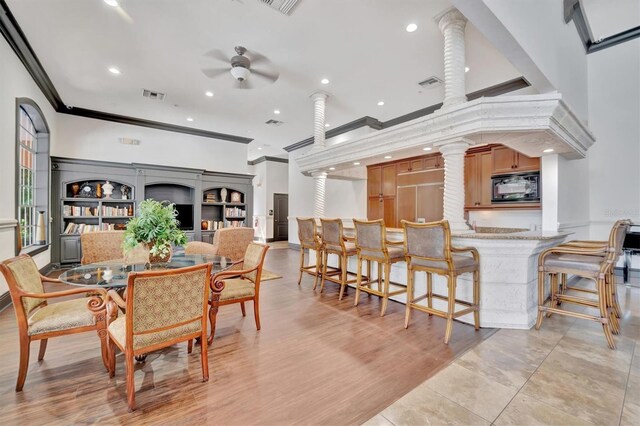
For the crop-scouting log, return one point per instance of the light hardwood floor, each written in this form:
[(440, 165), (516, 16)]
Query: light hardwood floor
[(315, 361)]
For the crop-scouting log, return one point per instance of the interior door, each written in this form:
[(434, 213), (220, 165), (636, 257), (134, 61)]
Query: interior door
[(280, 217), (430, 202)]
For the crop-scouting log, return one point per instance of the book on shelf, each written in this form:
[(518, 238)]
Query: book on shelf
[(82, 228), (115, 211), (80, 211), (236, 224), (235, 212)]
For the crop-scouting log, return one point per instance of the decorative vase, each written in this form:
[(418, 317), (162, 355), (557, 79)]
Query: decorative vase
[(124, 189), (75, 188), (98, 191), (41, 231), (204, 225), (236, 197), (108, 189), (156, 258), (223, 195)]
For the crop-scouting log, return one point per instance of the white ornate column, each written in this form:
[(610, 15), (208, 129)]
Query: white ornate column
[(453, 154), (452, 25), (319, 106), (320, 180)]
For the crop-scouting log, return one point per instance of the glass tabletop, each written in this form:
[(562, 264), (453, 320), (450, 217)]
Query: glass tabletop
[(114, 274)]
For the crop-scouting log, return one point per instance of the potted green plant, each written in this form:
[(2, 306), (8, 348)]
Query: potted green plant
[(156, 228)]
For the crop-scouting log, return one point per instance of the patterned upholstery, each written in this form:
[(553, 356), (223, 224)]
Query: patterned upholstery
[(589, 265), (101, 246), (199, 247), (460, 262), (332, 232), (228, 242), (307, 232), (394, 253), (27, 277), (60, 316), (426, 241), (252, 258), (117, 330), (237, 288), (369, 235)]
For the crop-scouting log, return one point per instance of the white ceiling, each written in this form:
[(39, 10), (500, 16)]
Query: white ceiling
[(360, 45), (608, 17)]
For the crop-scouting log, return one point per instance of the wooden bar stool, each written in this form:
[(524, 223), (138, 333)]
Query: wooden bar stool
[(591, 260), (309, 240), (334, 242), (428, 249), (371, 245)]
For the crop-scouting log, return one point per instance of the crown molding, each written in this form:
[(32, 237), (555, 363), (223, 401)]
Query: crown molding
[(267, 158)]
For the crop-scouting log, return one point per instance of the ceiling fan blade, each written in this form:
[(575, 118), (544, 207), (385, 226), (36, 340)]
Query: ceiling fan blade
[(257, 58), (269, 76), (219, 55), (215, 72)]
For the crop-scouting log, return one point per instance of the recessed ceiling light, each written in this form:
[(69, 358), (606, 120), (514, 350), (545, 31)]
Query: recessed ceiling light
[(357, 163), (412, 27), (427, 148), (327, 125), (189, 119), (209, 94), (112, 3), (380, 103), (386, 157), (259, 148), (276, 111), (324, 81), (114, 70), (332, 168), (466, 69), (548, 150)]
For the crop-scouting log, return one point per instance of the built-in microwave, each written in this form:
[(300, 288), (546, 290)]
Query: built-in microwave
[(516, 188)]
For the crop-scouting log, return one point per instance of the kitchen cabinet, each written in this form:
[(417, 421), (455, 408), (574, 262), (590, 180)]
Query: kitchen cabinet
[(407, 203), (477, 172), (382, 208), (506, 160), (414, 165), (433, 162), (381, 181), (430, 205)]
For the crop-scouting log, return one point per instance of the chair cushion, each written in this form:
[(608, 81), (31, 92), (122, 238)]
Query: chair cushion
[(117, 331), (577, 262), (460, 262), (394, 253), (237, 288), (350, 247), (60, 316)]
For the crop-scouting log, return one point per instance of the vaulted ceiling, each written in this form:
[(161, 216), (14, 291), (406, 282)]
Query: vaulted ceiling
[(361, 46)]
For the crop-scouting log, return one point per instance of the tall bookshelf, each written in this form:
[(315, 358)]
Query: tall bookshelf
[(217, 214)]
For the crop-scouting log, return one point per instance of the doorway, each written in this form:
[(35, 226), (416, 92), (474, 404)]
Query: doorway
[(280, 217)]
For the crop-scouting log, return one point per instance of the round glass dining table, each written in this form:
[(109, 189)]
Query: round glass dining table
[(115, 274)]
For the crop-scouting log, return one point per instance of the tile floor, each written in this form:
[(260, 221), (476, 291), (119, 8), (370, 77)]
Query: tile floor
[(562, 374)]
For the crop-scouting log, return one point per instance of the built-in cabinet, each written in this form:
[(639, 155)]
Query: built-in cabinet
[(507, 160), (477, 178)]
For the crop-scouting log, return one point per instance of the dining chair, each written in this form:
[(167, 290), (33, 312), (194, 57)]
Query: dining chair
[(106, 246), (239, 285), (163, 307), (594, 261), (372, 246), (428, 249), (40, 320), (227, 242), (309, 240)]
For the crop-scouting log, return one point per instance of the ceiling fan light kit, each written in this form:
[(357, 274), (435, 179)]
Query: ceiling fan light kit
[(241, 67), (240, 73)]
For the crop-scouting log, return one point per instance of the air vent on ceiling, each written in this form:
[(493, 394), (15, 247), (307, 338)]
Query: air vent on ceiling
[(129, 141), (156, 96), (274, 123), (431, 82), (282, 6)]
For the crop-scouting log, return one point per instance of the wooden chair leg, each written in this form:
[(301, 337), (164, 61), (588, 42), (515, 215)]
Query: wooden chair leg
[(256, 311), (476, 299), (430, 291), (387, 280), (204, 356), (325, 257), (131, 387), (369, 273), (25, 343), (358, 280), (410, 297), (318, 268), (189, 346), (104, 348), (380, 276), (554, 293), (112, 357), (604, 313), (213, 311), (343, 275), (541, 300), (43, 349), (244, 312), (614, 294), (451, 283), (301, 265)]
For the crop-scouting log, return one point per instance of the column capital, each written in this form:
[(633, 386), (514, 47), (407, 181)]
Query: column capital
[(449, 17), (456, 146), (319, 175), (319, 94)]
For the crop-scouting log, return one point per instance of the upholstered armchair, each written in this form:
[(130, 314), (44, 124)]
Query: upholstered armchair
[(240, 285), (162, 308), (228, 242), (106, 246), (40, 320)]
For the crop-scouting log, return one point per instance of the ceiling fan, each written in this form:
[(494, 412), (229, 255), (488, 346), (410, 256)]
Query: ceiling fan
[(240, 67)]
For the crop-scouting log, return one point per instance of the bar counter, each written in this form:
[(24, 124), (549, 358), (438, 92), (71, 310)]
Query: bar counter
[(508, 273)]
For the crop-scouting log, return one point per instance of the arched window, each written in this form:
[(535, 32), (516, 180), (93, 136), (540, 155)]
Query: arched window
[(32, 175)]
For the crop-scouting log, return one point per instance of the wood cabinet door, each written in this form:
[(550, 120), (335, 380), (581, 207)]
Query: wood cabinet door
[(407, 199), (430, 200), (471, 180), (434, 162), (389, 180), (417, 165), (404, 166), (389, 211), (374, 208), (374, 181), (484, 187), (526, 164), (503, 159)]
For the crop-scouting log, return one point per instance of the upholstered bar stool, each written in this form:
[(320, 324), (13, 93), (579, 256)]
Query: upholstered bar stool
[(592, 261), (334, 242), (428, 249), (372, 246), (309, 240)]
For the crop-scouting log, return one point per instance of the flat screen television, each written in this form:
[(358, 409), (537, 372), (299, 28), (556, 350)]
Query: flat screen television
[(185, 216)]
